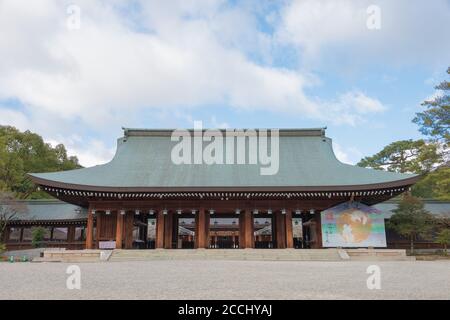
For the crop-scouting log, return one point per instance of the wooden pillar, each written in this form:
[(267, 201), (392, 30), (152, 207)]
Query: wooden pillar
[(90, 230), (206, 224), (201, 229), (71, 236), (246, 239), (280, 226), (242, 242), (98, 229), (128, 230), (119, 230), (249, 233), (6, 234), (318, 229), (159, 241), (241, 230), (168, 228), (289, 235)]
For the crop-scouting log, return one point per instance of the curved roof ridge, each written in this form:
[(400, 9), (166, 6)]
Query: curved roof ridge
[(282, 132)]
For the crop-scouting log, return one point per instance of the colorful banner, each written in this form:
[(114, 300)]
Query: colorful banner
[(353, 225)]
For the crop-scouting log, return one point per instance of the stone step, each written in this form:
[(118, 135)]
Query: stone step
[(227, 254), (378, 255)]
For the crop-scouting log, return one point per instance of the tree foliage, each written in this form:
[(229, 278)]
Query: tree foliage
[(443, 237), (10, 209), (26, 152), (435, 185), (435, 120), (406, 156), (427, 157), (37, 237), (411, 220)]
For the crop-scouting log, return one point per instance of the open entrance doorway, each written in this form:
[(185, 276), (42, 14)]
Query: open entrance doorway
[(263, 232), (297, 233), (223, 232), (151, 233), (303, 232), (186, 233)]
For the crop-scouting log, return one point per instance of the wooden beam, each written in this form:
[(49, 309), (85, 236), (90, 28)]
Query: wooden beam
[(319, 229), (246, 239), (90, 230), (98, 228), (201, 229), (6, 234), (289, 235), (241, 230), (128, 226), (280, 226), (168, 230), (70, 233), (223, 206), (159, 241), (119, 230), (249, 233)]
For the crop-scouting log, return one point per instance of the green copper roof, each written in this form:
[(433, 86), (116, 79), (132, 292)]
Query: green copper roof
[(48, 210), (143, 159), (436, 207)]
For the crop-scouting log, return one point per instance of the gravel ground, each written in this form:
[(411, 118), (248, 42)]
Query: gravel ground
[(226, 280)]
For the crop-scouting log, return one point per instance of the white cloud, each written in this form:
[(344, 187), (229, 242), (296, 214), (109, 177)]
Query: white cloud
[(436, 94), (312, 24), (337, 30), (218, 125), (96, 73), (173, 56), (349, 155), (13, 118), (89, 153)]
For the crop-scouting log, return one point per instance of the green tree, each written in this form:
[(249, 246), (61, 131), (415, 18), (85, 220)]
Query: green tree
[(25, 152), (406, 156), (37, 237), (10, 209), (443, 237), (435, 120), (411, 220), (435, 185)]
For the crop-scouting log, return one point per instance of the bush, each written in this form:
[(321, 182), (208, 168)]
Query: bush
[(38, 235), (2, 248), (443, 238)]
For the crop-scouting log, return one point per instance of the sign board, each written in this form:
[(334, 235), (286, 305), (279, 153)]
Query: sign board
[(107, 245), (353, 225)]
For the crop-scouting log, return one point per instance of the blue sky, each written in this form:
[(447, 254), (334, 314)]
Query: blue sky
[(78, 78)]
